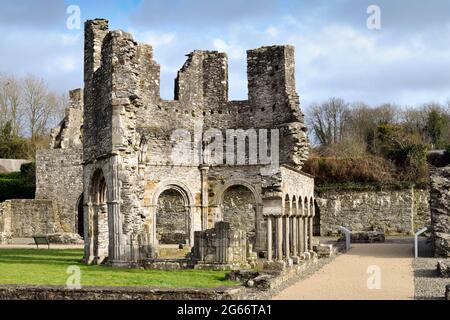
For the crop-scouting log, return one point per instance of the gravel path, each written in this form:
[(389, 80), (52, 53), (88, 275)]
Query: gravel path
[(428, 285), (346, 277)]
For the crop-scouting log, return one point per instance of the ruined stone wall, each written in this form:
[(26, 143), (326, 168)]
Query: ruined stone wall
[(239, 209), (394, 212), (440, 211), (171, 218), (68, 133), (59, 175), (26, 218)]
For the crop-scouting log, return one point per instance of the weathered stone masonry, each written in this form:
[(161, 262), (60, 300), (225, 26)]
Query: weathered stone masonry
[(127, 149), (392, 212), (440, 211)]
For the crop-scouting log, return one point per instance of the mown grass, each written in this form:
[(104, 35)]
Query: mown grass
[(49, 267)]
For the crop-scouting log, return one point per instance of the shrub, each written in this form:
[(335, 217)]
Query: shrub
[(368, 169), (18, 185)]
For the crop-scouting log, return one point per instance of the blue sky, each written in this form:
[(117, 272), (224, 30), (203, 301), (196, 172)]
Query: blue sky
[(406, 62)]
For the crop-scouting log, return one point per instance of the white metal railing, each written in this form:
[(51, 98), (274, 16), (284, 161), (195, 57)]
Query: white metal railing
[(416, 241), (347, 237)]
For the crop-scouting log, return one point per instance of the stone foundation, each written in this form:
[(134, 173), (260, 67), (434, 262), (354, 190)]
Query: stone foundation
[(168, 264), (117, 293)]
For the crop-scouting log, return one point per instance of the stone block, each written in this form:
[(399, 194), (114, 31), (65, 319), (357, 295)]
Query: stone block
[(274, 265), (324, 250), (296, 260), (443, 268), (241, 275), (263, 281)]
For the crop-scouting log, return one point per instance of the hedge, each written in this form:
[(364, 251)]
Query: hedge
[(18, 185)]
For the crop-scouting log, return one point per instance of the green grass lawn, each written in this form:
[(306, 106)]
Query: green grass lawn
[(49, 267)]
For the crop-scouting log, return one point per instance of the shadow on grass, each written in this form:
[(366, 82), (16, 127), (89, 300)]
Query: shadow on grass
[(44, 257)]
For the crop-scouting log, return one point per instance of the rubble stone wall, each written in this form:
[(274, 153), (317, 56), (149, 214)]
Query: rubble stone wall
[(440, 211), (26, 218), (394, 212), (59, 175)]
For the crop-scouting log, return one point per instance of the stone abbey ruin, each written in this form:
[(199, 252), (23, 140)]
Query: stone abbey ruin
[(112, 174), (128, 170)]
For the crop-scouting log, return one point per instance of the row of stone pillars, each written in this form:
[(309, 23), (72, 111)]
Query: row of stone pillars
[(288, 236)]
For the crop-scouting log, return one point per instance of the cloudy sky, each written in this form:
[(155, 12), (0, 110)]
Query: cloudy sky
[(406, 62)]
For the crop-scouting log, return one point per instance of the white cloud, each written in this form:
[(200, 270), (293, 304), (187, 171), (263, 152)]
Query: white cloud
[(233, 50), (272, 31), (155, 39)]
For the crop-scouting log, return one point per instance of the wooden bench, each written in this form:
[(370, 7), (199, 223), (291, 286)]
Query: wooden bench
[(43, 240)]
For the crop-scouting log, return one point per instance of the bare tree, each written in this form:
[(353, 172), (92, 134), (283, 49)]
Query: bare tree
[(328, 121), (38, 105), (10, 104)]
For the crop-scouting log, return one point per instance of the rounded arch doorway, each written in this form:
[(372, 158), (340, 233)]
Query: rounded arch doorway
[(173, 217), (238, 207)]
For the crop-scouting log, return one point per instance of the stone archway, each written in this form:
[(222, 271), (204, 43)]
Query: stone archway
[(316, 220), (172, 218), (100, 223), (238, 207), (172, 198), (80, 216)]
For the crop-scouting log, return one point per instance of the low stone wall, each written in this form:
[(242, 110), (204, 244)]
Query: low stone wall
[(168, 264), (440, 211), (26, 218), (392, 212), (117, 293), (367, 237), (11, 165)]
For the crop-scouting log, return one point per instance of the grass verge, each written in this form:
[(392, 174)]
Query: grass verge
[(49, 267)]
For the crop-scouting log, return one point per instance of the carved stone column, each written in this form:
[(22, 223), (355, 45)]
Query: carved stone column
[(88, 234), (305, 234), (261, 238), (205, 199), (286, 238), (279, 238), (295, 236), (116, 250), (301, 237), (269, 239)]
